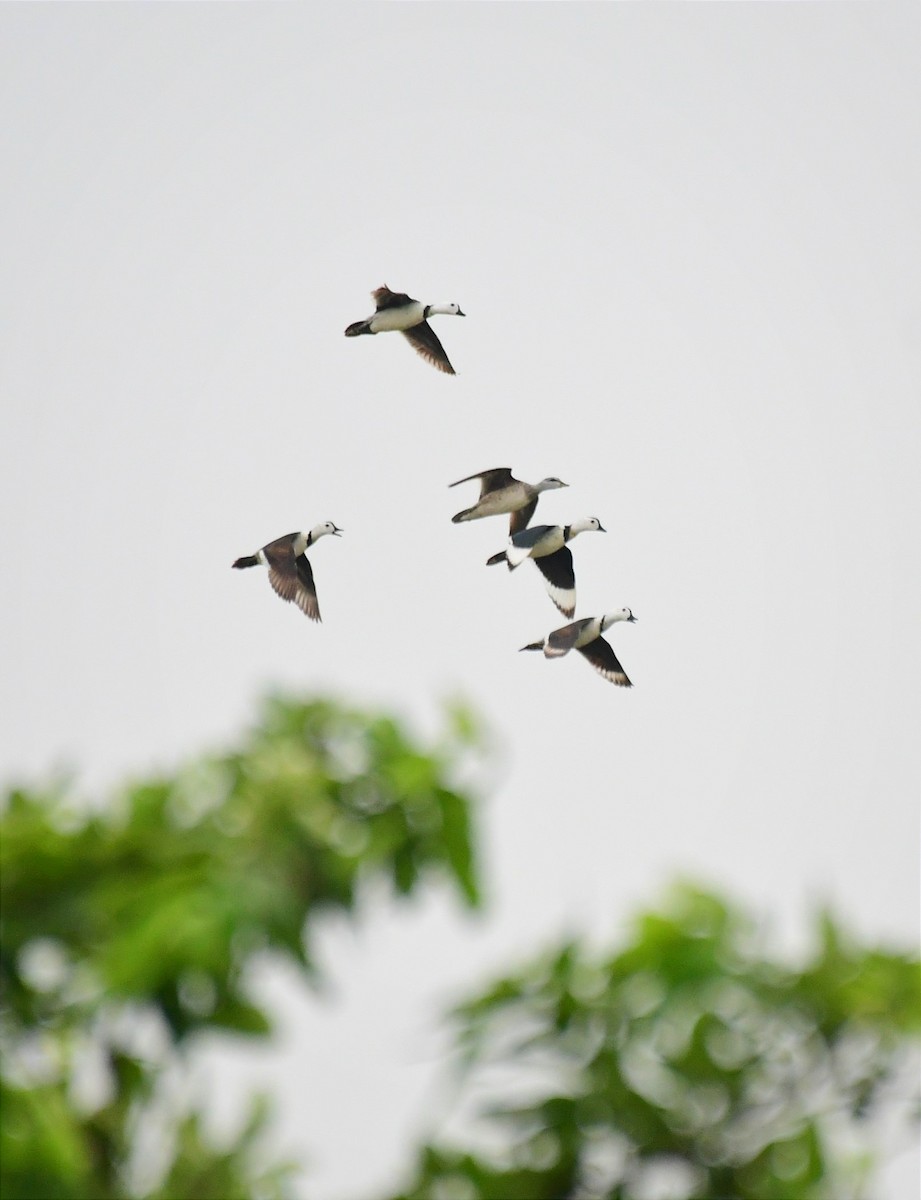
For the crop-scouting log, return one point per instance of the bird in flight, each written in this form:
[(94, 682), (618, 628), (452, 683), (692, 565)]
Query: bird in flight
[(395, 311), (585, 636), (501, 492), (547, 546), (290, 573)]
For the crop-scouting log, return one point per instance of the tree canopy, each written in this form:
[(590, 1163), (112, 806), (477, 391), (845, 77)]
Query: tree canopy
[(145, 914), (687, 1062)]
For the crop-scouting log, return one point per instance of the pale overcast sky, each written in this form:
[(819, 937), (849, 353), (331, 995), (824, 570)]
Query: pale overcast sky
[(686, 241)]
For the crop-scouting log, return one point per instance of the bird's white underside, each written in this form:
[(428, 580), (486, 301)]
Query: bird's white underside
[(390, 319)]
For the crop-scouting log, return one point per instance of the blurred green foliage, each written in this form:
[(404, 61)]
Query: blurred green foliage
[(129, 929), (687, 1065)]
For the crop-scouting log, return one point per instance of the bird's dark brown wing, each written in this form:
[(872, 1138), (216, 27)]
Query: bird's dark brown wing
[(490, 481), (383, 297), (518, 521), (559, 578), (282, 570), (424, 340), (306, 597), (561, 641), (604, 660)]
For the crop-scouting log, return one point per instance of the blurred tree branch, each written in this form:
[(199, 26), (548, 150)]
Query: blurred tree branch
[(686, 1065), (127, 931)]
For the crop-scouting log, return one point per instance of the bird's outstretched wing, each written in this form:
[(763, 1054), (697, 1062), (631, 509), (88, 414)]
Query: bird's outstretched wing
[(279, 556), (306, 596), (559, 578), (490, 481), (383, 297), (291, 577), (561, 641), (518, 521), (424, 341), (604, 660)]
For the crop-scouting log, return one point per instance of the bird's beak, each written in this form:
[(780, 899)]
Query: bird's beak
[(601, 529), (337, 531), (461, 314), (632, 618)]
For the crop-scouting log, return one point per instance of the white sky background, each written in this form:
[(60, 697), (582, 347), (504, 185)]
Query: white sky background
[(686, 241)]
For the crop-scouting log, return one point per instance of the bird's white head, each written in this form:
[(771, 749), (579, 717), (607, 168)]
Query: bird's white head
[(622, 614), (447, 310), (319, 531), (586, 525), (548, 484)]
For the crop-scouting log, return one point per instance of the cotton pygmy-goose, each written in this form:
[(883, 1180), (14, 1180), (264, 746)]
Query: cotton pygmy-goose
[(547, 546), (399, 312), (501, 493), (290, 573), (585, 636)]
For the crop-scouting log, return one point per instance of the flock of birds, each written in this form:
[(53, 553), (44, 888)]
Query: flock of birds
[(291, 575)]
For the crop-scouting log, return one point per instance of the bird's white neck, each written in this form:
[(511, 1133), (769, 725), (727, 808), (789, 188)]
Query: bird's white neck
[(610, 618), (318, 531), (581, 526)]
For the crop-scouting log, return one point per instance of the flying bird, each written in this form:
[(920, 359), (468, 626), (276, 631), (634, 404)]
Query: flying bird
[(290, 574), (399, 312), (585, 636), (547, 546), (501, 492)]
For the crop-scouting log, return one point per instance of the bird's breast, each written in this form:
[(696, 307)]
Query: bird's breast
[(398, 318), (552, 541)]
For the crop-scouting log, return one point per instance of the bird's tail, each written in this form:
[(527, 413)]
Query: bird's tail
[(248, 560), (496, 558), (533, 646), (358, 327), (516, 555)]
